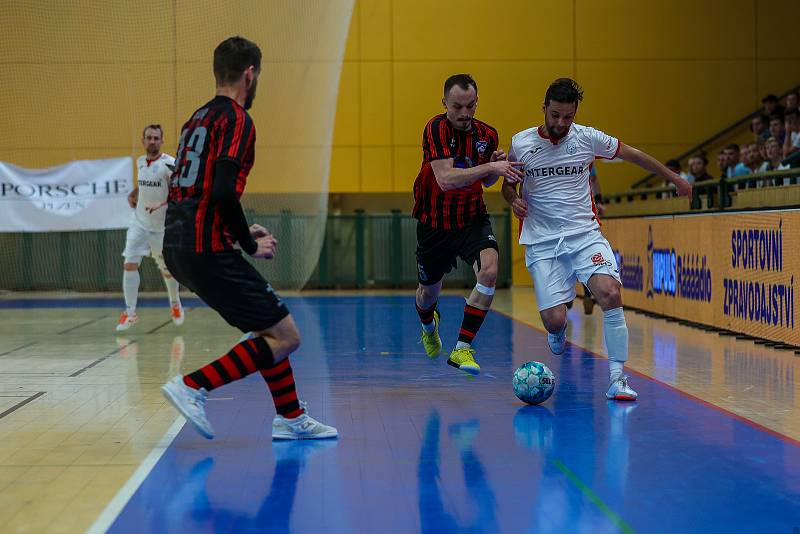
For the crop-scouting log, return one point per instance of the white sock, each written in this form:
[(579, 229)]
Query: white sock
[(130, 288), (172, 289), (615, 331), (463, 345)]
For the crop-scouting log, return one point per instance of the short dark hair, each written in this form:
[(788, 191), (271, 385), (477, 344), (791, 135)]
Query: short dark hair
[(776, 117), (153, 127), (672, 164), (232, 57), (769, 98), (732, 146), (791, 111), (564, 90), (461, 80), (700, 155)]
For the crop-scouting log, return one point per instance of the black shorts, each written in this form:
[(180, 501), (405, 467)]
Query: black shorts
[(230, 285), (437, 250)]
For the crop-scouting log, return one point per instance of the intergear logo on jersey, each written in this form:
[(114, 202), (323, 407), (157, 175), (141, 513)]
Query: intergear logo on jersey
[(480, 146)]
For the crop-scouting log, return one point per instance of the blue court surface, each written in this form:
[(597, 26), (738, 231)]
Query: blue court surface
[(425, 448)]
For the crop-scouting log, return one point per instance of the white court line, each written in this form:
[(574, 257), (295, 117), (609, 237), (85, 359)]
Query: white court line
[(114, 508)]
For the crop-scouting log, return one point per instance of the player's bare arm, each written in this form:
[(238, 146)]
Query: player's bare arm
[(649, 163), (133, 198), (497, 155), (448, 177), (518, 204)]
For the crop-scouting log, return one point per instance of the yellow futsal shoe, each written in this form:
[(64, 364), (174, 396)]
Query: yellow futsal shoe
[(431, 340), (463, 359)]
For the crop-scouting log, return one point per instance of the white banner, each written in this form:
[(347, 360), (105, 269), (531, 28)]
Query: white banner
[(80, 195)]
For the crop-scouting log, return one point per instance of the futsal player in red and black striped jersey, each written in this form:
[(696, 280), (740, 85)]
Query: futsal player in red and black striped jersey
[(204, 220), (460, 156)]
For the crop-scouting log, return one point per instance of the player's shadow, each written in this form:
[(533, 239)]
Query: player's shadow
[(433, 515)]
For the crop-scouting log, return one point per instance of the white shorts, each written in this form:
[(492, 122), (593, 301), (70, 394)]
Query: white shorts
[(140, 242), (556, 266)]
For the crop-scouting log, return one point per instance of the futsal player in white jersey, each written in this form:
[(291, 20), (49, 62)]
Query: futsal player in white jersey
[(146, 232), (560, 229)]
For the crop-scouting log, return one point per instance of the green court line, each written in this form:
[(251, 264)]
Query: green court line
[(614, 518)]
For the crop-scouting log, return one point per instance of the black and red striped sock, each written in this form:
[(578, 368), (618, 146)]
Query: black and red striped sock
[(243, 359), (473, 319), (280, 380), (426, 315)]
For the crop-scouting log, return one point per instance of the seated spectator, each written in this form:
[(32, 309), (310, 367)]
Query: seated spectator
[(774, 157), (776, 128), (731, 159), (759, 125), (792, 100), (743, 157), (754, 157), (771, 105), (791, 143), (698, 171), (722, 163)]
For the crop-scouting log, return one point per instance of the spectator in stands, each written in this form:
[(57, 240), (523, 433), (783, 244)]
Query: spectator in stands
[(754, 157), (741, 168), (776, 128), (698, 169), (791, 143), (771, 105), (722, 163), (731, 159), (774, 157), (759, 125), (792, 100)]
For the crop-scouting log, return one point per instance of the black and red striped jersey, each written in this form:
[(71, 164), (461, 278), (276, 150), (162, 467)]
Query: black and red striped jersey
[(457, 208), (219, 130)]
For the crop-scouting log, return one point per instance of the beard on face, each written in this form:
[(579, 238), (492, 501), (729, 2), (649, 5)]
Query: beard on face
[(551, 131), (251, 95)]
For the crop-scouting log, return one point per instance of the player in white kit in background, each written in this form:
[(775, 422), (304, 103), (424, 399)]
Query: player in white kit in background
[(146, 232), (560, 229)]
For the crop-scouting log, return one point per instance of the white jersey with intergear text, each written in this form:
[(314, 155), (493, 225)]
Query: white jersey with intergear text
[(556, 185)]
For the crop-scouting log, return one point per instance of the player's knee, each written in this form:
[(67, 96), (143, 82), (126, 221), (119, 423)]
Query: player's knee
[(488, 276), (131, 266), (554, 321), (609, 296)]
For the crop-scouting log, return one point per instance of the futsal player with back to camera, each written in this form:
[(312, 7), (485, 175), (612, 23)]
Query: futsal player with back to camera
[(560, 228), (460, 156), (145, 236), (204, 221)]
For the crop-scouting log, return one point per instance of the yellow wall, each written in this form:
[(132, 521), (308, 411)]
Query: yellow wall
[(80, 79), (660, 75)]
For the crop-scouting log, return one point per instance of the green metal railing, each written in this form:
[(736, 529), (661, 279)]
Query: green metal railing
[(357, 250)]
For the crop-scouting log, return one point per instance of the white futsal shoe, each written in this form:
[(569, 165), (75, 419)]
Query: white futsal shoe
[(126, 321), (190, 402), (177, 314), (620, 390), (301, 427), (558, 342)]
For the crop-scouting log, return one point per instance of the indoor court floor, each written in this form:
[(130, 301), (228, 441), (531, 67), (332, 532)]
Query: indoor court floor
[(88, 442)]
